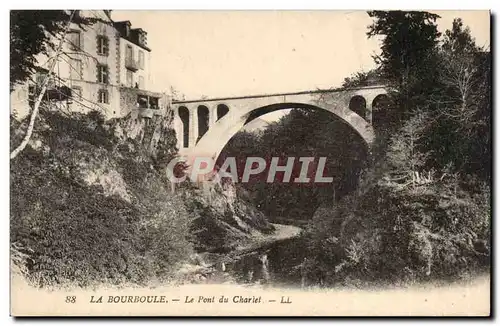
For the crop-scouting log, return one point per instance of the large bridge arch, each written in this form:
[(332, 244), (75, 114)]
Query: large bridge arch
[(239, 111), (212, 145)]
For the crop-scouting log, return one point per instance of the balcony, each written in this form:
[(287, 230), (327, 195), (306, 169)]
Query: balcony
[(131, 64), (144, 103), (146, 113)]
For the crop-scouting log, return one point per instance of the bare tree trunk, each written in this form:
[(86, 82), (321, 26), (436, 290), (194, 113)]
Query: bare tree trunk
[(31, 125)]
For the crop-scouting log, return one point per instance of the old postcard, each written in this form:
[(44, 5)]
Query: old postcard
[(250, 163)]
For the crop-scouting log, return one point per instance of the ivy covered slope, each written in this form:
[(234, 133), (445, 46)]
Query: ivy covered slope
[(90, 204), (423, 209), (404, 224)]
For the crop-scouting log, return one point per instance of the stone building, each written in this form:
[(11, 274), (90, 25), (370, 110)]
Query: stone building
[(106, 67)]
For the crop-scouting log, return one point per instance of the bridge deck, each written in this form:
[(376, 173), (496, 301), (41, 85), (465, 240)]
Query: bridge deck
[(318, 91)]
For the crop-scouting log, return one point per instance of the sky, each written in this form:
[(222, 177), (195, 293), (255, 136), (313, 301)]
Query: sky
[(236, 53)]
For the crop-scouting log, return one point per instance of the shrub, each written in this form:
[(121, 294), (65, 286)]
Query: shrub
[(405, 223)]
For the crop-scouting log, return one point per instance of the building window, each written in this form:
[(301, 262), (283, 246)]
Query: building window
[(130, 79), (141, 82), (102, 45), (74, 38), (102, 74), (103, 96), (141, 59), (129, 54), (40, 78), (75, 69)]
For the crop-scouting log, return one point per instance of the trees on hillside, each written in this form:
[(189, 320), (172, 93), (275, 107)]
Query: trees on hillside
[(460, 135), (447, 78), (423, 210), (408, 55), (363, 78)]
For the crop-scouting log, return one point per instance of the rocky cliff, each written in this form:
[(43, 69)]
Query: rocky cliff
[(90, 203)]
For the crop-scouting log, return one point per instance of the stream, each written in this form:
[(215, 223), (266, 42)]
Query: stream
[(276, 260)]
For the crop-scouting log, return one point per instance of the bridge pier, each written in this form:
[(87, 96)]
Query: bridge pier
[(369, 112), (213, 116), (370, 97), (193, 126)]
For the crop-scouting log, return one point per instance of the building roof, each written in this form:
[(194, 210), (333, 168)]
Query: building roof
[(121, 22), (133, 35), (108, 13)]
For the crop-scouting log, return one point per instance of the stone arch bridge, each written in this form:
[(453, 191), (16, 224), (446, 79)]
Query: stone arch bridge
[(205, 126)]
